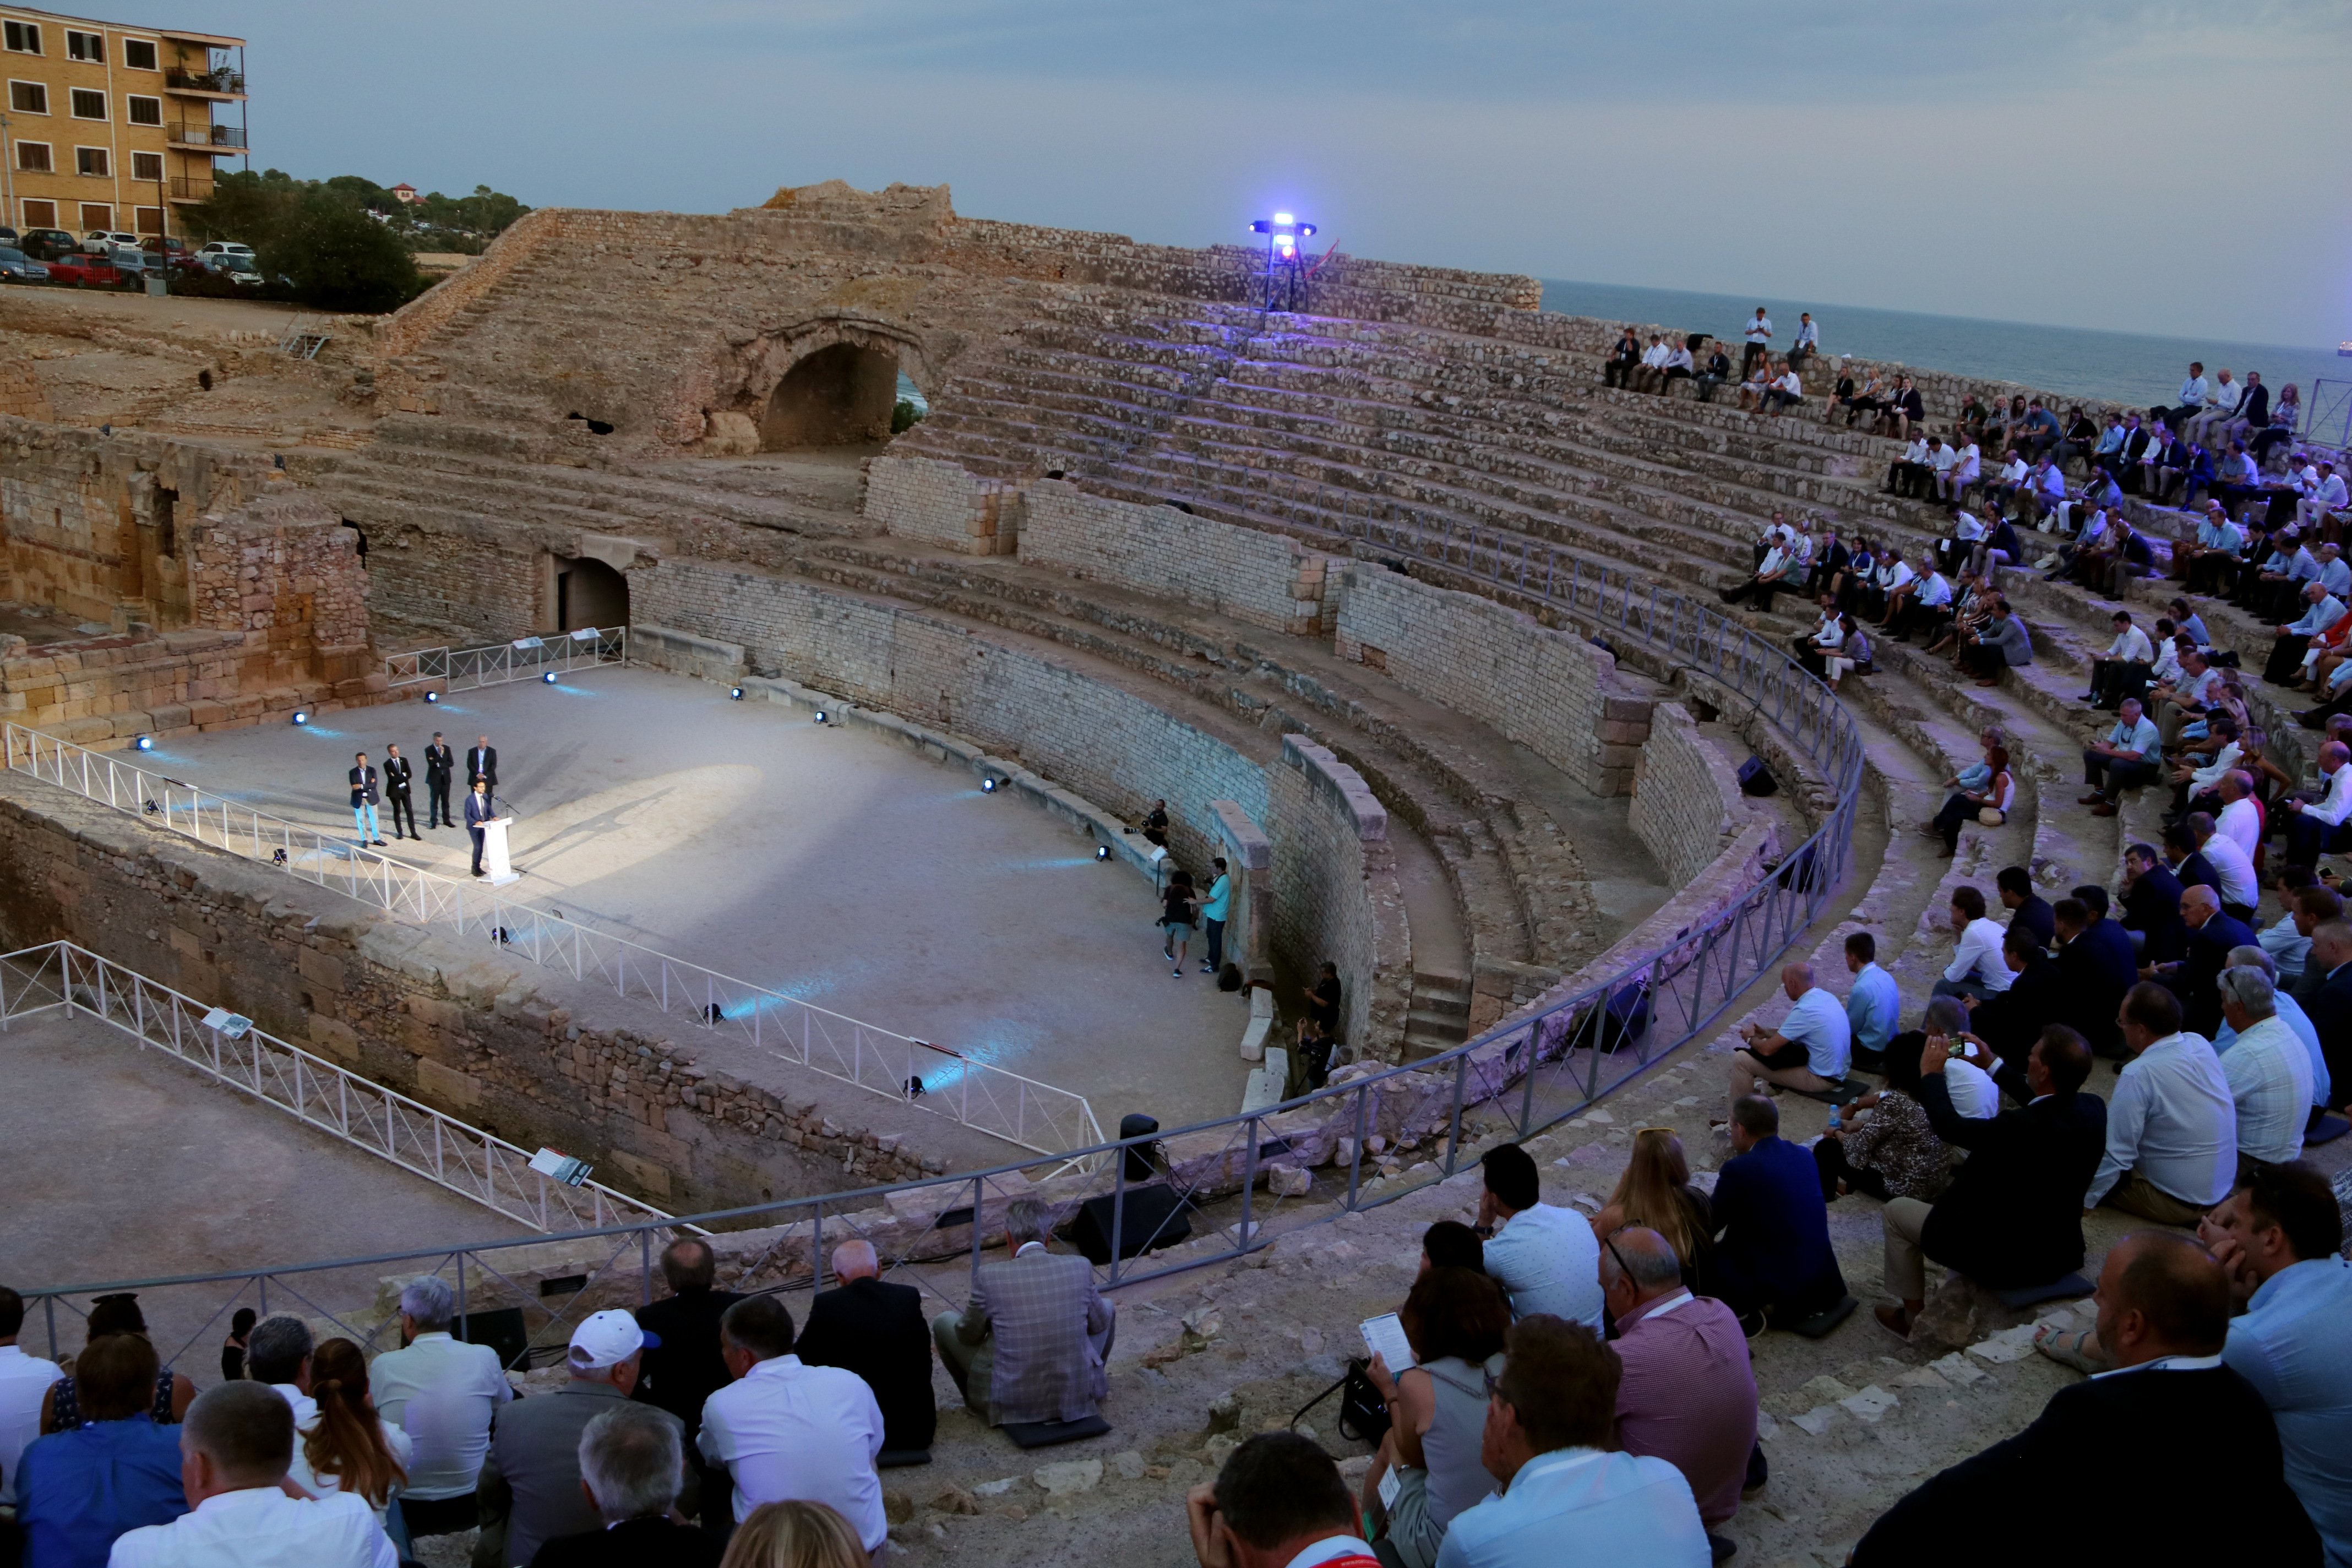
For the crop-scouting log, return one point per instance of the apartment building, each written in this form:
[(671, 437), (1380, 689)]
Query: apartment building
[(109, 127)]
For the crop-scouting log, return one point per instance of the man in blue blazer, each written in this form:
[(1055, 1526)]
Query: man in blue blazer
[(1773, 1257)]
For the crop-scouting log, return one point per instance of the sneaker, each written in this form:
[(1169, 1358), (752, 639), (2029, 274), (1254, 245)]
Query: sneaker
[(1208, 969), (1178, 971)]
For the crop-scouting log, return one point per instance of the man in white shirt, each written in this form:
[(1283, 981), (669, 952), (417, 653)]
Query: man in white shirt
[(1967, 463), (1810, 1051), (2221, 406), (2241, 820), (2266, 1068), (23, 1382), (2296, 645), (1786, 392), (1536, 1253), (2240, 889), (1652, 367), (2172, 1138), (2327, 497), (1928, 606), (1677, 364), (785, 1431), (443, 1394), (2192, 399), (238, 1444), (278, 1352), (1976, 968), (1760, 334), (2125, 662), (2316, 827), (1908, 473)]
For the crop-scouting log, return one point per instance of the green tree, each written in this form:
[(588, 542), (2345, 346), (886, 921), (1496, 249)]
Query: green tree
[(334, 255), (243, 207)]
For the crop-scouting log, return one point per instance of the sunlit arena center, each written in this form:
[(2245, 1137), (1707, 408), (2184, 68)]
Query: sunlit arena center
[(988, 734)]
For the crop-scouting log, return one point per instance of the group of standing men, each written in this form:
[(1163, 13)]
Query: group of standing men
[(395, 786)]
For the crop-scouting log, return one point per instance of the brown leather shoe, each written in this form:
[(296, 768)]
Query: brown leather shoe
[(2104, 808), (1894, 1319), (2092, 799)]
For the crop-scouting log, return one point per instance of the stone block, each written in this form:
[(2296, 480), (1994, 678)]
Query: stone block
[(459, 1093), (319, 969)]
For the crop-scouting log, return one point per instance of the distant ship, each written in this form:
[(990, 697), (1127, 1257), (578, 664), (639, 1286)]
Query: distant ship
[(2344, 350)]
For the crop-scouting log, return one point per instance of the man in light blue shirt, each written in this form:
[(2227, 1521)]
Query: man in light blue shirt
[(2172, 1124), (1874, 1008), (2289, 1012), (2192, 398), (1544, 1258), (2130, 756), (2279, 1233), (1564, 1498), (1214, 910), (1808, 1052)]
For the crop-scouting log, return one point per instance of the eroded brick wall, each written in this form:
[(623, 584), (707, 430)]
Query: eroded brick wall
[(1686, 802), (1266, 579), (1335, 895), (939, 503)]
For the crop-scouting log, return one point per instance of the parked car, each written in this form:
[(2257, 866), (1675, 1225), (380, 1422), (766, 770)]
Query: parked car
[(85, 272), (100, 241), (224, 247), (9, 237), (16, 267), (237, 269), (49, 244), (177, 255), (129, 258)]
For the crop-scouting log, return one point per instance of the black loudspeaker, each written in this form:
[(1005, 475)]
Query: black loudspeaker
[(1151, 1217), (503, 1331), (1757, 779)]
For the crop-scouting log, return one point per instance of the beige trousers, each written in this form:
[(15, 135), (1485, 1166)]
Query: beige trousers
[(1906, 1264)]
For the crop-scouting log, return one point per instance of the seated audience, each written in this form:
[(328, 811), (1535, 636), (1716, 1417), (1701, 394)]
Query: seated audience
[(2212, 937), (1884, 1146), (2095, 967), (783, 1430), (2267, 1069), (1976, 968), (2290, 1012), (1544, 1258), (2324, 825), (116, 1313), (1771, 1260), (233, 1348), (1031, 1344), (2280, 1236), (24, 1384), (2163, 1307), (2037, 994), (2014, 887), (1964, 807), (236, 1448), (1450, 1244), (530, 1478), (2013, 1214), (632, 1464), (1561, 1496), (2152, 905), (345, 1446), (1454, 1321), (2327, 998), (682, 1366), (1655, 1193), (1874, 1005), (279, 1353), (2172, 1142), (1686, 1392), (443, 1393), (1277, 1501), (1810, 1051), (877, 1331), (77, 1491)]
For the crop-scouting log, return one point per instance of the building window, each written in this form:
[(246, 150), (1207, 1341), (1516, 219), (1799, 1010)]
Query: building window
[(40, 215), (90, 47), (32, 157), (147, 220), (96, 216), (25, 38), (89, 103), (91, 161), (144, 111), (28, 98), (139, 53), (147, 168)]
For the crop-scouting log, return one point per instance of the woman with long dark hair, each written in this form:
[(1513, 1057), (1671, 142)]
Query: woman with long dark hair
[(232, 1351), (348, 1449)]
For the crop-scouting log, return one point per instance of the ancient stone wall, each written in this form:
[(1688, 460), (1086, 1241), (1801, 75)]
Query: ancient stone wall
[(1687, 801), (940, 503), (412, 1010), (1266, 579), (1336, 893), (438, 306), (1552, 691)]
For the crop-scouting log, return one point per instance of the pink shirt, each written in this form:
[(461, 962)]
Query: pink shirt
[(1688, 1396)]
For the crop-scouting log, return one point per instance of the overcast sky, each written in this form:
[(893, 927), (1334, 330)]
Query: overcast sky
[(2135, 164)]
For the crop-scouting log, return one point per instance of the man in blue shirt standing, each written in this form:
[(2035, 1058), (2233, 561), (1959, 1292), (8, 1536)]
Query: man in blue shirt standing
[(1214, 910), (76, 1491), (1874, 1008)]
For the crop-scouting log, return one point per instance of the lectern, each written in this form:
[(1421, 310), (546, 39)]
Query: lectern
[(497, 869)]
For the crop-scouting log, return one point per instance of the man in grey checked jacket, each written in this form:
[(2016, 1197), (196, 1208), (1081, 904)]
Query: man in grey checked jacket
[(1032, 1344)]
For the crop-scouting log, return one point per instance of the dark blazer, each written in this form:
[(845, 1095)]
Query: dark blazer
[(637, 1543), (2141, 1514), (396, 772), (2197, 871), (2329, 1008), (2208, 953), (479, 808), (2013, 1021), (878, 1331), (2255, 410), (684, 1369), (485, 767), (2153, 909), (439, 762), (1773, 1234), (532, 1475), (1909, 404), (363, 784), (2094, 970), (2034, 915), (2134, 444), (2013, 1214)]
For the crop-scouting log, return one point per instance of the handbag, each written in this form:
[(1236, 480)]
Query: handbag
[(1990, 816), (1363, 1415)]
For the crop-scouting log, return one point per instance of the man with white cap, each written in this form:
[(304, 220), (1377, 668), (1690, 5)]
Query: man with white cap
[(530, 1481)]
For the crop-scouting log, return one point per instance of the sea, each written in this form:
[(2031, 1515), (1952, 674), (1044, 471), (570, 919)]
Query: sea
[(2131, 368)]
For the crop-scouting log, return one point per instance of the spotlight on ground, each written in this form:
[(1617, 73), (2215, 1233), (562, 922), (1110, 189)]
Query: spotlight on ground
[(1102, 851), (549, 678), (432, 696), (301, 716), (145, 742), (988, 786), (735, 694), (821, 717)]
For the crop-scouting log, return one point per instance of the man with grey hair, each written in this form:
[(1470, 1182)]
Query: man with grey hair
[(235, 1446), (631, 1465), (875, 1328), (443, 1393), (2290, 1012), (2268, 1072), (1809, 1051), (1687, 1394), (1030, 1347), (278, 1352)]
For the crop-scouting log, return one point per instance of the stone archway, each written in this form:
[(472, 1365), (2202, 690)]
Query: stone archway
[(840, 395), (829, 380), (589, 592)]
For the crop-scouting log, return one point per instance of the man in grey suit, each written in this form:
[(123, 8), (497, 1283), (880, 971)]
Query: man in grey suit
[(1032, 1344)]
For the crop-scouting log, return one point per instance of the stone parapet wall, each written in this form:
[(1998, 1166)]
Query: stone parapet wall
[(1337, 895), (943, 504), (22, 397), (1686, 802), (1552, 691), (1266, 579), (438, 306)]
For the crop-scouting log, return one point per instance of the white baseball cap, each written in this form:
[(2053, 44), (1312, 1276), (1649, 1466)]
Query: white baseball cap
[(607, 1339)]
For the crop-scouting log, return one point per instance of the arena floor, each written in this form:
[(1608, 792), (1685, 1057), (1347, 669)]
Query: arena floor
[(824, 862)]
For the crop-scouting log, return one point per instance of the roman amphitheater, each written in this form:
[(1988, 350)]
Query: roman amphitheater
[(1397, 608)]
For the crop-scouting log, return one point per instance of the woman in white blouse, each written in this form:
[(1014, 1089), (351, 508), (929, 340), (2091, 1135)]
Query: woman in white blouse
[(347, 1447)]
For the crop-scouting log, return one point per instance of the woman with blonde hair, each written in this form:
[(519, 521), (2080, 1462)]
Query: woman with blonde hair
[(1656, 1192), (795, 1535), (347, 1447)]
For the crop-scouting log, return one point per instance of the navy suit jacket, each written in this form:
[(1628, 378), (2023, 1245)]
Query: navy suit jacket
[(2153, 908), (2098, 968), (2207, 954), (2329, 1008), (2034, 915), (1774, 1249), (2013, 1214)]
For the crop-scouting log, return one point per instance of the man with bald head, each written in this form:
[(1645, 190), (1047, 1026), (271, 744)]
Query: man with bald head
[(1687, 1394), (2164, 1315), (2212, 936), (2323, 827), (1809, 1051), (876, 1330)]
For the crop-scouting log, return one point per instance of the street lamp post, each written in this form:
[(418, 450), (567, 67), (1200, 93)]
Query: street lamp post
[(1283, 232)]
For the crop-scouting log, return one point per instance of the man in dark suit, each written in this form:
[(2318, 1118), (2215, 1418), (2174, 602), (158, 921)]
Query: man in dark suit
[(2013, 1214), (1772, 1258), (398, 778), (2025, 906), (2329, 1007), (440, 762), (2010, 1021), (478, 810), (363, 800), (631, 1465), (2164, 1312), (2151, 906), (482, 763), (2211, 935), (1030, 1344), (877, 1331), (2095, 967), (685, 1368)]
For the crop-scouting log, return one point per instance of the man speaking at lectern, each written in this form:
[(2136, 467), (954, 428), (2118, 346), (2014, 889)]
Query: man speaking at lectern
[(478, 810)]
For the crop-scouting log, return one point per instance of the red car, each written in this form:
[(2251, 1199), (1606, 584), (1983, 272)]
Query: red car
[(82, 270)]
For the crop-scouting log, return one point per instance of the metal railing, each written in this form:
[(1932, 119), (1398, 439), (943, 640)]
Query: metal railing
[(932, 1077), (218, 79), (61, 976), (194, 188), (2327, 417), (525, 659), (1517, 1078), (189, 134)]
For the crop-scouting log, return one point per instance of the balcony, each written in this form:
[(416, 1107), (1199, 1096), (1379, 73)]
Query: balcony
[(198, 138), (219, 82), (185, 189)]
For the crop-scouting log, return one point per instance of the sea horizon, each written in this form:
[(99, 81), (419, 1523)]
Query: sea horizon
[(2135, 368)]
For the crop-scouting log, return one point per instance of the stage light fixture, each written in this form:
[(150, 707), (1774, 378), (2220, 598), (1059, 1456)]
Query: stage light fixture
[(735, 694), (988, 786), (549, 678), (1283, 232), (1102, 851), (301, 716), (432, 696), (820, 716), (145, 742)]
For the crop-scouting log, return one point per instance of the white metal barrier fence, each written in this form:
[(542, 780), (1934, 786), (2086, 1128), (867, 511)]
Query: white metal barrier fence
[(934, 1078), (525, 659), (361, 1113)]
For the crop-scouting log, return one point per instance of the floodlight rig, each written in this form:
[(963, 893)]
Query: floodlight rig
[(1283, 232)]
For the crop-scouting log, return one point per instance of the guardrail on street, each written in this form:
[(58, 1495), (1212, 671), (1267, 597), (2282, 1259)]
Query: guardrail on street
[(524, 658)]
